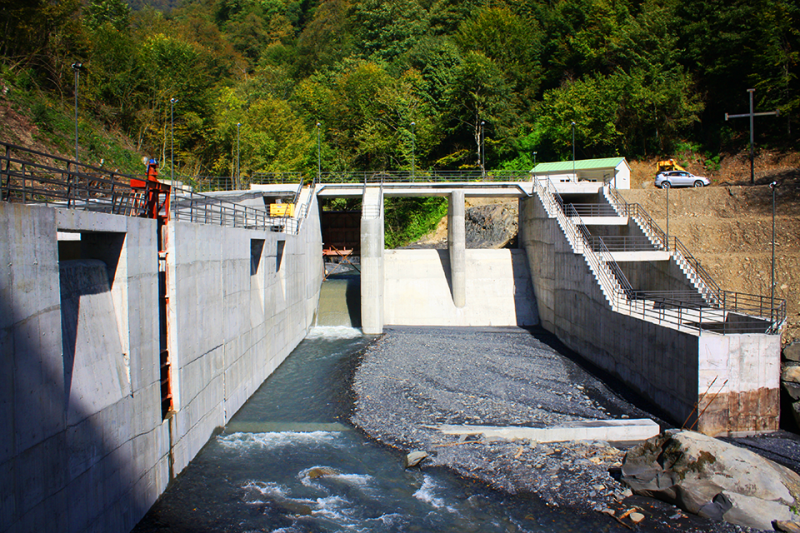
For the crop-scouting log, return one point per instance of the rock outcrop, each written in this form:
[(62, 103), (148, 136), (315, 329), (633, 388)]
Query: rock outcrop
[(713, 479)]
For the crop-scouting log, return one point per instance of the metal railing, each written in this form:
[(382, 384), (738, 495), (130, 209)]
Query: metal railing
[(709, 308), (426, 176), (707, 285), (595, 210), (29, 176), (617, 243)]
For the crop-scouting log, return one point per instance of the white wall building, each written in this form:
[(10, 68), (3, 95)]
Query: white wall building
[(614, 170)]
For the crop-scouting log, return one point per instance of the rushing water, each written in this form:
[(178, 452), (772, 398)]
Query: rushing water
[(288, 461)]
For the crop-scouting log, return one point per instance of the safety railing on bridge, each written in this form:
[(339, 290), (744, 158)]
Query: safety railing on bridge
[(425, 176), (720, 311)]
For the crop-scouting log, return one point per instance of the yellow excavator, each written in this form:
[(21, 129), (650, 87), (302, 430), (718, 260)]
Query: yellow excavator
[(667, 165)]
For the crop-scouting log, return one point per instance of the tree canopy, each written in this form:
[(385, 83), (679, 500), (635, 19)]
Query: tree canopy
[(391, 81)]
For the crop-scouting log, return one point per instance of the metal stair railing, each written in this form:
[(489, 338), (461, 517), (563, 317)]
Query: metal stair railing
[(705, 309)]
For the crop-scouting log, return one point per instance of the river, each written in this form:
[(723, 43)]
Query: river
[(289, 461)]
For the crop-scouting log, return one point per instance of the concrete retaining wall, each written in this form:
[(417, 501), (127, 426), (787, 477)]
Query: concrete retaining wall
[(83, 446), (417, 289), (245, 299), (673, 369)]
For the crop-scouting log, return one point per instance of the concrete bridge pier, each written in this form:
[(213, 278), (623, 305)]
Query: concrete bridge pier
[(456, 242), (372, 275)]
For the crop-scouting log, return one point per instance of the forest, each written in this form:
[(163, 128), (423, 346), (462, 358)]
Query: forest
[(377, 84)]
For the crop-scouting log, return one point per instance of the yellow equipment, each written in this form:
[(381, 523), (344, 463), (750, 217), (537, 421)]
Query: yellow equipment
[(668, 164), (281, 210)]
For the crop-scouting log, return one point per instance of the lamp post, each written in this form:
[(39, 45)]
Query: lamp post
[(413, 148), (482, 152), (534, 167), (172, 102), (238, 184), (573, 153), (77, 68), (319, 156), (667, 188), (773, 186)]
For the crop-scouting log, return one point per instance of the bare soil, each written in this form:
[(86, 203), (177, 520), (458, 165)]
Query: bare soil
[(729, 230)]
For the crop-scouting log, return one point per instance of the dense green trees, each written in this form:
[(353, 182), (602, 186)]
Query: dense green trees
[(636, 76)]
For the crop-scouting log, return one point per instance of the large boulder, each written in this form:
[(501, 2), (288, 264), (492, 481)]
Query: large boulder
[(712, 478)]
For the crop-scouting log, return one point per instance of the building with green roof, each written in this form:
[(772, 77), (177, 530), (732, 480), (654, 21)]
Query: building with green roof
[(608, 169)]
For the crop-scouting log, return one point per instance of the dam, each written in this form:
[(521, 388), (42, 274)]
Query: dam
[(129, 341)]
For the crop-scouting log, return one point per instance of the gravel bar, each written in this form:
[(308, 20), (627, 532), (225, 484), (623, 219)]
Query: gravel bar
[(416, 377)]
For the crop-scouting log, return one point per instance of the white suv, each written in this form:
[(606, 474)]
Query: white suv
[(680, 178)]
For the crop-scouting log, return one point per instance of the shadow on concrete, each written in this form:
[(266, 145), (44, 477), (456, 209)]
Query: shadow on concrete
[(444, 259), (55, 476), (525, 307)]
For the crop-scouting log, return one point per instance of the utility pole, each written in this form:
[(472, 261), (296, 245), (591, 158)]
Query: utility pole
[(77, 68), (573, 153), (238, 179), (172, 102), (413, 147), (773, 186), (483, 152), (752, 115), (319, 157)]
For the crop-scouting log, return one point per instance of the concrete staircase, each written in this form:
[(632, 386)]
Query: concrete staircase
[(703, 283)]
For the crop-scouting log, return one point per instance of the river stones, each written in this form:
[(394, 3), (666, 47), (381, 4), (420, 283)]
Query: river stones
[(713, 479), (414, 458)]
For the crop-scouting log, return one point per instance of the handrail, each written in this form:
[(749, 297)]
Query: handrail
[(708, 308), (710, 287), (434, 176)]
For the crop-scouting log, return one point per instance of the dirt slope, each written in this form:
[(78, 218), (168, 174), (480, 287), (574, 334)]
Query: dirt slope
[(729, 230)]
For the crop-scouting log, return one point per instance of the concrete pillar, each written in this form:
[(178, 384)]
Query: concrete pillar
[(457, 243), (372, 244)]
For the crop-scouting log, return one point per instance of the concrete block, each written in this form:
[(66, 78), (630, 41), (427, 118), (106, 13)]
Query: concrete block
[(603, 430)]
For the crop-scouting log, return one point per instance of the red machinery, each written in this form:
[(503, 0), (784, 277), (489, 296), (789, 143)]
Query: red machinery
[(155, 194)]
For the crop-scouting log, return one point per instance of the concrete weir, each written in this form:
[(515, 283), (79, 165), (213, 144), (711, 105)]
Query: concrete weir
[(125, 344)]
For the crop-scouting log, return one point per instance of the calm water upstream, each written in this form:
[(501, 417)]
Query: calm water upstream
[(289, 462)]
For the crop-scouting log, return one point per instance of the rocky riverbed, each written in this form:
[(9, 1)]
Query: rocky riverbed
[(414, 379)]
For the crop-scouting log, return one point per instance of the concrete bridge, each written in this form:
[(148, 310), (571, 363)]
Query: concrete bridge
[(130, 339)]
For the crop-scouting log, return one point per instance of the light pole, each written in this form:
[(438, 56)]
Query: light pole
[(668, 188), (483, 152), (573, 153), (319, 156), (77, 68), (172, 102), (413, 148), (238, 184), (773, 186), (534, 167)]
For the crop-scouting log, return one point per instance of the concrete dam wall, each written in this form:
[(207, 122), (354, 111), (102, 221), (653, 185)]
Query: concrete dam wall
[(673, 368), (85, 444)]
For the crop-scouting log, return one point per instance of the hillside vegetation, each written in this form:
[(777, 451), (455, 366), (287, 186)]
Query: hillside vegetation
[(391, 81)]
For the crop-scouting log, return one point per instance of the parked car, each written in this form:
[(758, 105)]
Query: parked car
[(680, 178)]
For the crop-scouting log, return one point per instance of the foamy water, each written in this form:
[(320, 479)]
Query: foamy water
[(292, 464), (277, 439)]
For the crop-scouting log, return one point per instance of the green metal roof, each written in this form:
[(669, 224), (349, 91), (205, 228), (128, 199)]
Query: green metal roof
[(580, 164)]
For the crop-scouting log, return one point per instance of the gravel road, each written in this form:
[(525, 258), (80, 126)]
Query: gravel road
[(414, 378)]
